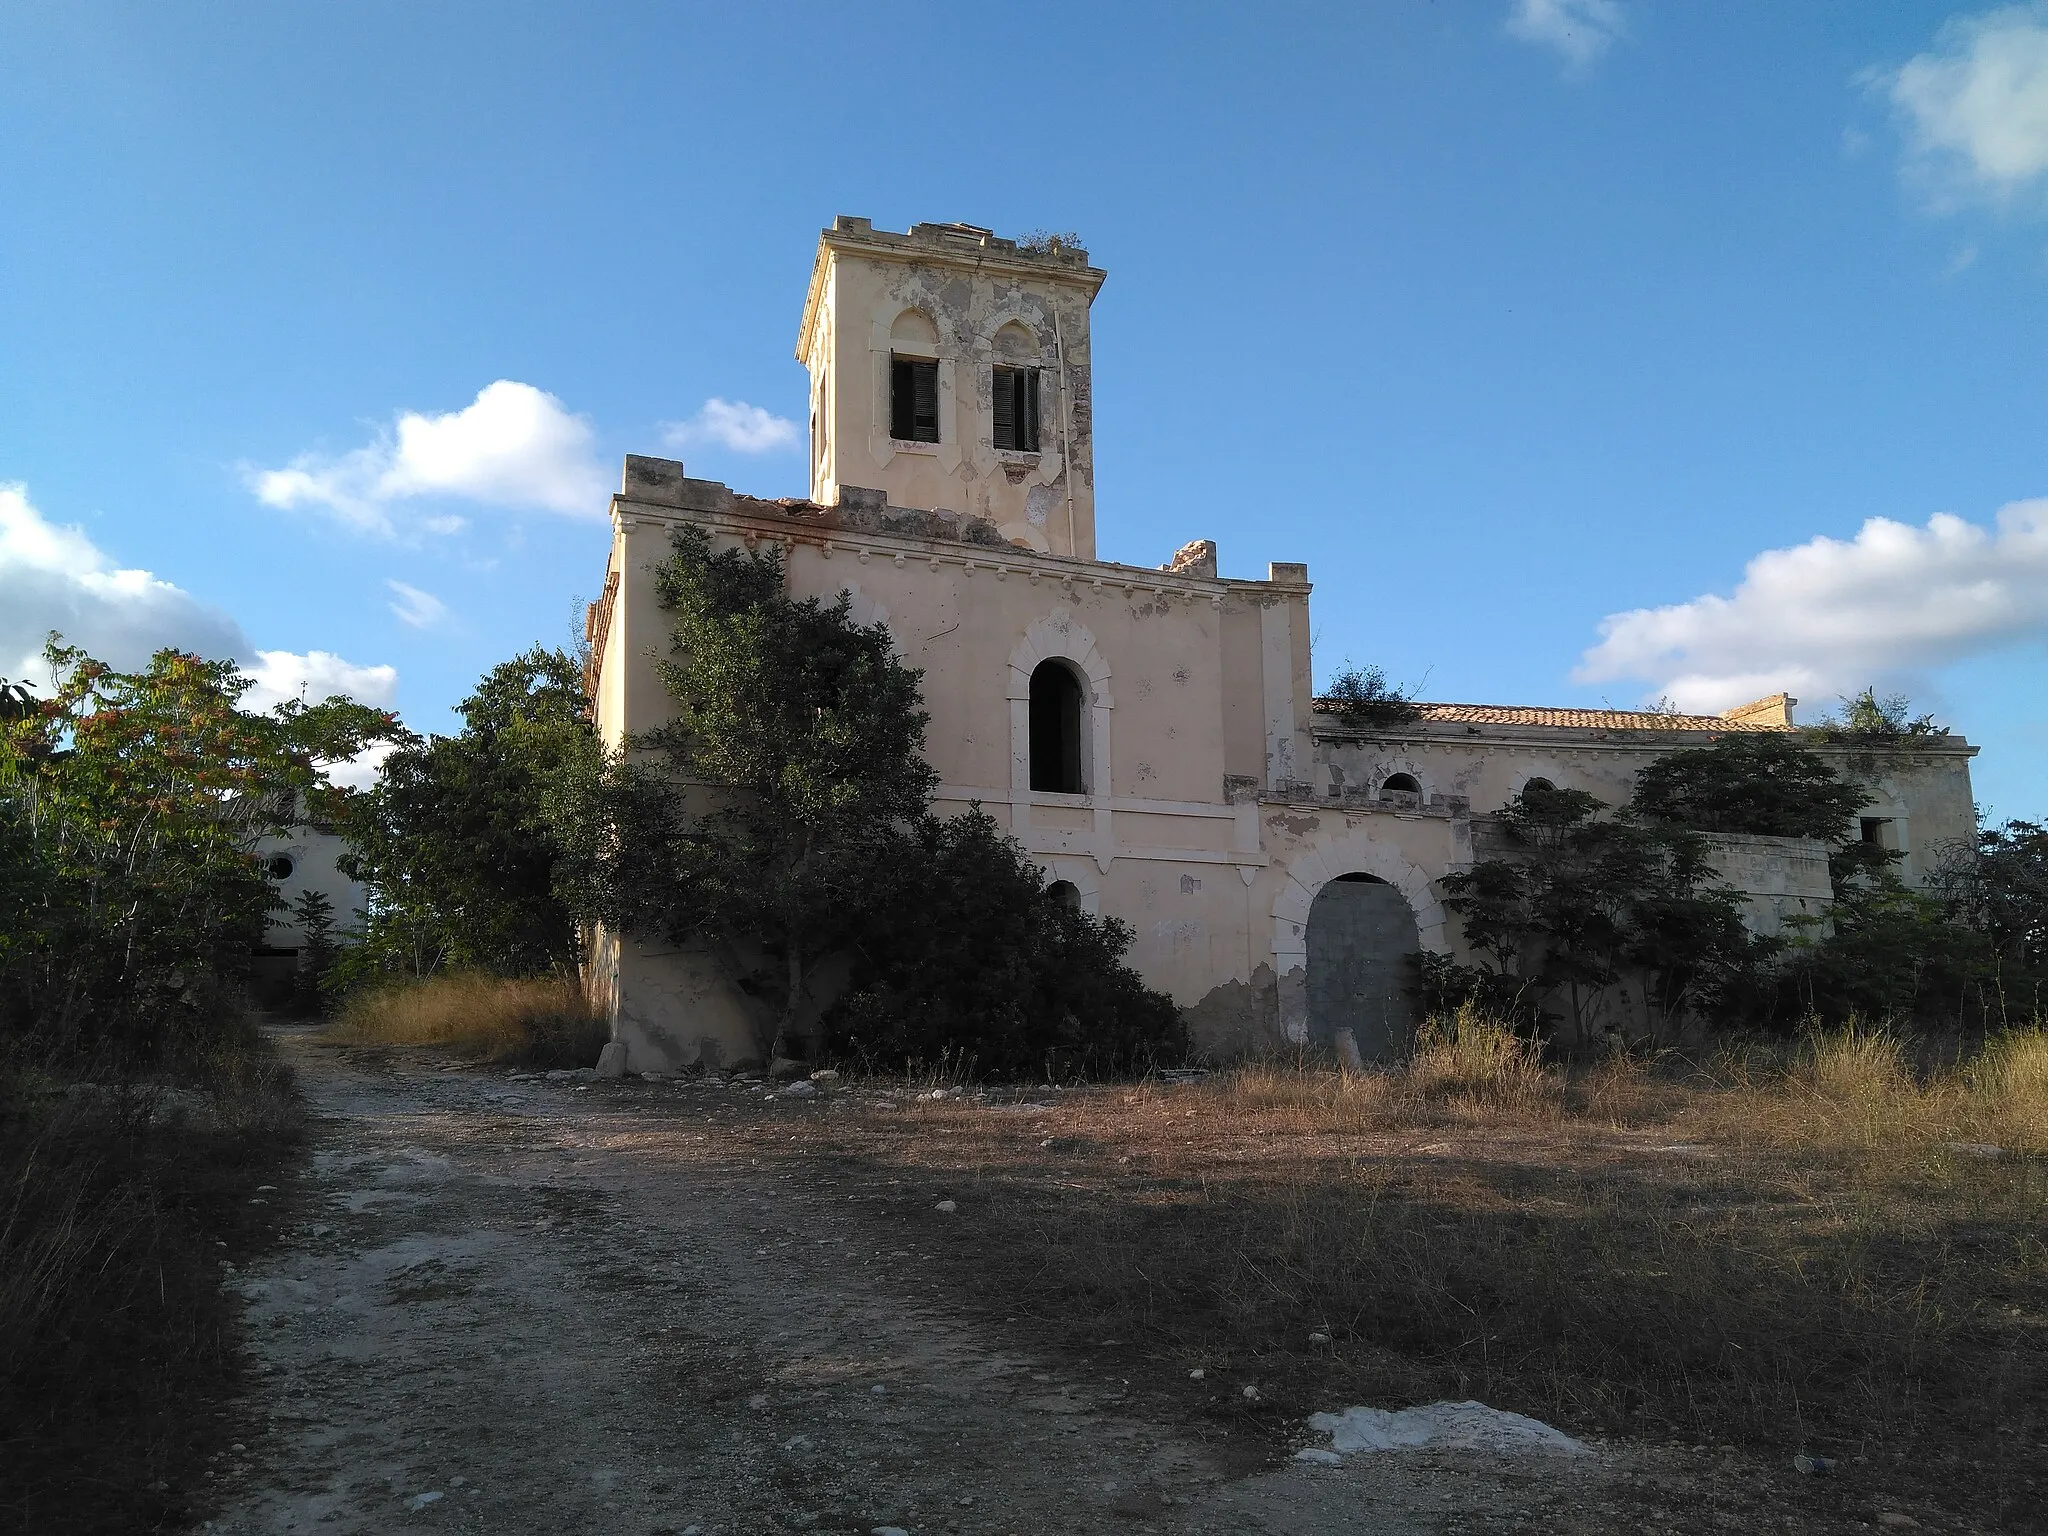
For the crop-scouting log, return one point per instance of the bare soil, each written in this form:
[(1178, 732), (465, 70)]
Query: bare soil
[(651, 1307)]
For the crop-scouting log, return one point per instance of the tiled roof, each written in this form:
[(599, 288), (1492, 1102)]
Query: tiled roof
[(1576, 719)]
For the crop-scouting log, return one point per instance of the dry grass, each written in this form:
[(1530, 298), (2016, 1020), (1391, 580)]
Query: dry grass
[(538, 1021), (1787, 1245), (116, 1337)]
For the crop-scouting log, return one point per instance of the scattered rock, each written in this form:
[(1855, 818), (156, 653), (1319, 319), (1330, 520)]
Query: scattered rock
[(888, 1530), (1441, 1426), (799, 1090), (1195, 1375), (947, 1206), (826, 1075), (457, 1481), (1893, 1520), (611, 1061), (1251, 1394), (1813, 1466), (1318, 1339), (420, 1501), (785, 1066), (879, 1390), (1320, 1457)]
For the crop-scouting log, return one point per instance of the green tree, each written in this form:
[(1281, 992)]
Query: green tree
[(1580, 901), (131, 807), (454, 842), (786, 779), (1758, 782), (1365, 700), (313, 912)]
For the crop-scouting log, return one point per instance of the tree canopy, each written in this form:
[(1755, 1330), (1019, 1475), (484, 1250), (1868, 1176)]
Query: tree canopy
[(1762, 783), (131, 808), (454, 841)]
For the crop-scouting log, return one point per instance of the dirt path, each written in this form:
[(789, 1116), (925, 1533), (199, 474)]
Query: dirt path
[(553, 1307)]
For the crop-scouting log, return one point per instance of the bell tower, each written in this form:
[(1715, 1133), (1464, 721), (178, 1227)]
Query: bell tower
[(950, 369)]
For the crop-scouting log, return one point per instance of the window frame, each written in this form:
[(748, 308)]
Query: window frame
[(1016, 400)]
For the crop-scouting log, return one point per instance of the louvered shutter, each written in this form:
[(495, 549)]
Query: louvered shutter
[(1028, 438), (924, 378), (1006, 408)]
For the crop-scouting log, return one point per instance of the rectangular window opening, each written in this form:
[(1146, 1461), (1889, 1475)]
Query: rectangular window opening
[(1016, 410), (913, 399)]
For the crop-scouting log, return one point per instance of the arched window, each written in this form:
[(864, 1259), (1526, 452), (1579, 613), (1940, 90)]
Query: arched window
[(1399, 784), (1066, 894), (1542, 786), (1056, 729)]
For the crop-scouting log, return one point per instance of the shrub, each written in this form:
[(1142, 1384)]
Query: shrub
[(971, 956)]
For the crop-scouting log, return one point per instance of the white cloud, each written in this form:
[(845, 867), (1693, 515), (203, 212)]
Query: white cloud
[(1975, 107), (53, 577), (314, 676), (360, 771), (735, 425), (414, 607), (1579, 30), (1828, 617), (513, 446)]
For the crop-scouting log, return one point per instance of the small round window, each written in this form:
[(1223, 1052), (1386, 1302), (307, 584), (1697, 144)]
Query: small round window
[(279, 866)]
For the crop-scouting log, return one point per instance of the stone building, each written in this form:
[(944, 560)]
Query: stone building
[(1149, 734)]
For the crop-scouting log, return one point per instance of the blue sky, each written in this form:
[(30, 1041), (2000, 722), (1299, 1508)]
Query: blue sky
[(1533, 326)]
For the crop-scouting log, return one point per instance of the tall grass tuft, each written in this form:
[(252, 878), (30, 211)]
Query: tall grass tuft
[(1471, 1056), (1856, 1065), (2010, 1076), (535, 1021)]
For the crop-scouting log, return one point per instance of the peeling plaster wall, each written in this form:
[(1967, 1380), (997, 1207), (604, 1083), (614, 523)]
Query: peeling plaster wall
[(968, 303)]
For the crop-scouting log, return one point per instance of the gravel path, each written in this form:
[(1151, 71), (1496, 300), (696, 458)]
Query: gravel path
[(549, 1307)]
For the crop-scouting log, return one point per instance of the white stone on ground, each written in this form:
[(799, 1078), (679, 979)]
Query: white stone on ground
[(1440, 1426)]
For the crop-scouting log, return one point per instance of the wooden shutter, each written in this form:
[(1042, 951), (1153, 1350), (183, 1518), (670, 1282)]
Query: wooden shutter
[(1005, 394), (925, 376), (1028, 438)]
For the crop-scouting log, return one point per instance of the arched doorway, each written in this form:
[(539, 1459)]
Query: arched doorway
[(1361, 933)]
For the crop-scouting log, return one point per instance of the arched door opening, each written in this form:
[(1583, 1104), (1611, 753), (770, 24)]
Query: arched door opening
[(1056, 701), (1361, 933)]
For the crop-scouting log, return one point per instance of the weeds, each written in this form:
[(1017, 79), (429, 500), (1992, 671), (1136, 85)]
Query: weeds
[(538, 1021), (1781, 1247)]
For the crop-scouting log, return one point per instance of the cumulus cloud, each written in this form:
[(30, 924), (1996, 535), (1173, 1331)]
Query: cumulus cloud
[(1579, 31), (1830, 616), (54, 577), (513, 446), (414, 607), (1974, 108), (735, 425)]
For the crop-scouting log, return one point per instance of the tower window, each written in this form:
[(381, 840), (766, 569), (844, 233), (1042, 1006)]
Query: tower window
[(913, 400), (1016, 409), (1055, 729)]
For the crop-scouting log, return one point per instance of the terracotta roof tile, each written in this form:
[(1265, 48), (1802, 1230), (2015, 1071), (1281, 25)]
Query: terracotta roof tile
[(1575, 719)]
